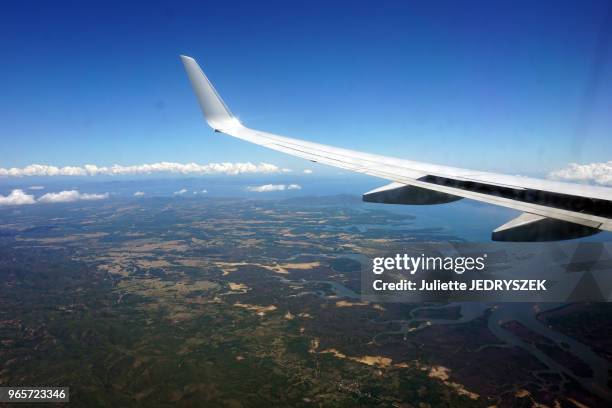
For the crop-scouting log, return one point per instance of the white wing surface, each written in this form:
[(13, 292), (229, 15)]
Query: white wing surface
[(550, 210)]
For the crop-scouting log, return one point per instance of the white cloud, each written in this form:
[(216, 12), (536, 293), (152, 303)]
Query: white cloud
[(598, 173), (266, 188), (139, 194), (204, 191), (69, 196), (17, 197), (160, 167), (307, 171), (181, 191), (36, 187)]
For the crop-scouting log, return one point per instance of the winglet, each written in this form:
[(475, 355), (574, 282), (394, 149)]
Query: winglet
[(216, 113)]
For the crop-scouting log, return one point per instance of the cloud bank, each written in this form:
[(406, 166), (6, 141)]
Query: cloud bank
[(597, 173), (45, 170), (17, 197), (69, 196), (266, 188)]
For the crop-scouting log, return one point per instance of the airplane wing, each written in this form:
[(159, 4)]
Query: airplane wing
[(550, 210)]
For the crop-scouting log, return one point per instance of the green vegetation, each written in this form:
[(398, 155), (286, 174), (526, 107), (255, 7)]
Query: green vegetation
[(223, 303)]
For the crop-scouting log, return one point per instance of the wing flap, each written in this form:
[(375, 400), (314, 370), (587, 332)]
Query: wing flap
[(398, 193), (535, 228)]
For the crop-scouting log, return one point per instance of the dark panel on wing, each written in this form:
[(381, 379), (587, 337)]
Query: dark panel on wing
[(586, 205)]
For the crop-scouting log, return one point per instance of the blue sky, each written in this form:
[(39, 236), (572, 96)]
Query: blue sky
[(516, 87)]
